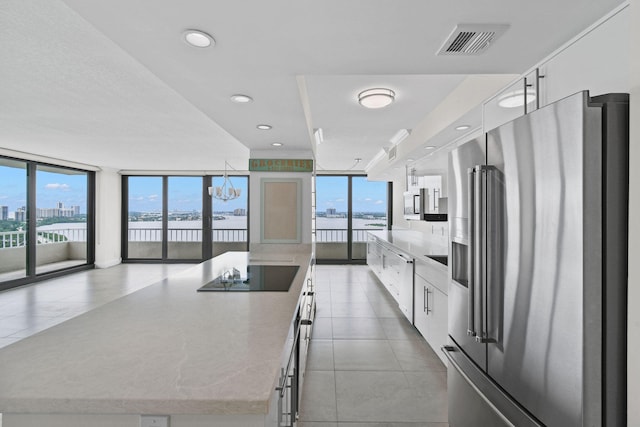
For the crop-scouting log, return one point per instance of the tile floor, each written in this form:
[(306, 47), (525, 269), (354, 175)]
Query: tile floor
[(368, 366)]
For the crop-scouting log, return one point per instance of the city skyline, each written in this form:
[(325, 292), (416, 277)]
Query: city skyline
[(51, 188), (184, 193)]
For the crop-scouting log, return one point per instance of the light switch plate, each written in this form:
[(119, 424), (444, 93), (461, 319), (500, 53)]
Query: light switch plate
[(154, 420)]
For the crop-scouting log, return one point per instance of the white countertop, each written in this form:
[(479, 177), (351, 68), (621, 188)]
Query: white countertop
[(163, 349), (412, 242)]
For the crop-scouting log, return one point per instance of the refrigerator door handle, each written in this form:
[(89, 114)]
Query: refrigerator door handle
[(479, 251), (485, 181), (471, 176)]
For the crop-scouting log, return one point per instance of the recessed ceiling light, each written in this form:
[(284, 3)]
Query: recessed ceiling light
[(264, 127), (429, 147), (462, 127), (277, 144), (198, 38), (376, 98), (241, 99)]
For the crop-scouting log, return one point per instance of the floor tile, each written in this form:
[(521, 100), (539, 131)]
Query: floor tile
[(352, 309), (385, 308), (316, 424), (393, 424), (389, 397), (400, 329), (366, 355), (320, 357), (319, 397), (352, 295), (322, 328), (357, 328), (416, 355)]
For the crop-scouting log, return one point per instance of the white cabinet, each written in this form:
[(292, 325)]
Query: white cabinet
[(285, 405), (374, 255), (431, 304), (395, 270)]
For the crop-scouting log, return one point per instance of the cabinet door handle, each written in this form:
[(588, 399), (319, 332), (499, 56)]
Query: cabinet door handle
[(424, 299), (427, 291)]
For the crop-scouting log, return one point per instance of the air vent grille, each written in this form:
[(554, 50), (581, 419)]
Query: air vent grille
[(471, 39)]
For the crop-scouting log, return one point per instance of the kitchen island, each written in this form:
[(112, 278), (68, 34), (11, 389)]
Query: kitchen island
[(204, 358)]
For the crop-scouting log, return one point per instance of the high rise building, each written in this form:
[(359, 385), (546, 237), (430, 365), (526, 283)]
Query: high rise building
[(21, 214), (4, 213)]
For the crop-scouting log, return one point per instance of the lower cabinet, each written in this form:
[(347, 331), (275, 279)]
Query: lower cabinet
[(289, 385), (431, 313), (395, 271)]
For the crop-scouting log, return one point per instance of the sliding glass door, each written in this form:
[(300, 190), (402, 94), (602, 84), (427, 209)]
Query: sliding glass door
[(144, 219), (184, 217), (61, 215), (46, 220), (13, 219), (347, 206), (174, 218), (230, 219), (369, 209)]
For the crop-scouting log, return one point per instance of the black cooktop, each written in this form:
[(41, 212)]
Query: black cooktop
[(254, 278)]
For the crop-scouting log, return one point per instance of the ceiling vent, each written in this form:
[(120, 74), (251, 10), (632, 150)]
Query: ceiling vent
[(471, 39)]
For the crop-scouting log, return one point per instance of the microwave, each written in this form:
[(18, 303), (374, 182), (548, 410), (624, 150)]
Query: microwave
[(413, 204)]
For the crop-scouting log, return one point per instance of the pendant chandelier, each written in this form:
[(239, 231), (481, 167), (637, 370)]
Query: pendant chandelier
[(226, 191)]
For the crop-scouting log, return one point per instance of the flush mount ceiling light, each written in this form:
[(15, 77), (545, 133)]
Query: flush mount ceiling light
[(241, 99), (516, 98), (462, 127), (376, 98), (264, 127), (277, 144), (197, 38), (430, 147)]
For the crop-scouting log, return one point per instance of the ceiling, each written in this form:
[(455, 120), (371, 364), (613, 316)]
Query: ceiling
[(113, 84)]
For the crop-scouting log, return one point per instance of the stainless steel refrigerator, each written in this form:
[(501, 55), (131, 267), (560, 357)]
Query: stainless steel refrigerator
[(537, 301)]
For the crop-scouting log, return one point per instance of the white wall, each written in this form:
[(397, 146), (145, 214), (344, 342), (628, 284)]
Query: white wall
[(633, 340), (108, 211)]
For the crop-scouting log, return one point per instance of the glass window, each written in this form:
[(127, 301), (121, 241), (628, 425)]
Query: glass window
[(332, 213), (61, 218), (347, 206), (230, 218), (184, 217), (368, 212), (13, 219), (144, 217)]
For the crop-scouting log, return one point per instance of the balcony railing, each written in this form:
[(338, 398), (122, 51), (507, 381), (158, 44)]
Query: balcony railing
[(15, 239), (18, 239), (339, 235), (186, 235)]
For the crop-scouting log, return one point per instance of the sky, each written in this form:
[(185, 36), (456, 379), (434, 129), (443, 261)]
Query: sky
[(184, 193), (51, 188)]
